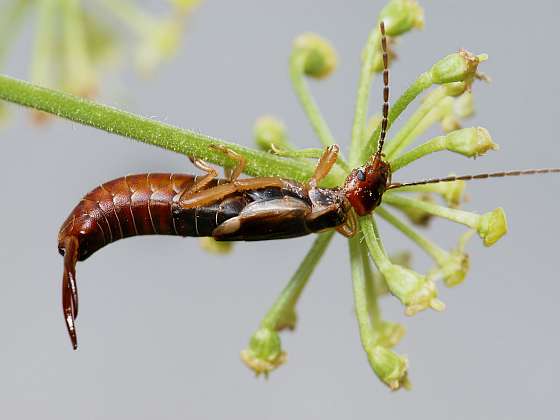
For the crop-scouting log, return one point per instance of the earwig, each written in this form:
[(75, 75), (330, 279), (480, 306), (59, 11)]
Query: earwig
[(232, 209)]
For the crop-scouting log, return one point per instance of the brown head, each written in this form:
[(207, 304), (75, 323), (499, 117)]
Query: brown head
[(364, 187)]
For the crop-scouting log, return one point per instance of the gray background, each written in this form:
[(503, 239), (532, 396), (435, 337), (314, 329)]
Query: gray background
[(162, 322)]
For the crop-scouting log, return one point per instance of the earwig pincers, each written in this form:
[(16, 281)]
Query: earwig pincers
[(232, 209)]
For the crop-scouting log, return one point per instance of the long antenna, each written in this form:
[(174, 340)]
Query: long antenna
[(473, 177), (385, 91)]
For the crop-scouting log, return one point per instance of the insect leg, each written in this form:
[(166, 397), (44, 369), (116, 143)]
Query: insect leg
[(69, 288), (326, 162), (349, 228), (240, 161), (211, 173)]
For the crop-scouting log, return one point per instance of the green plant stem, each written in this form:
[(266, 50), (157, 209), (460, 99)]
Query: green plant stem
[(406, 134), (282, 311), (364, 87), (297, 75), (423, 82), (370, 289), (361, 296), (459, 216), (437, 253), (153, 132), (310, 153), (434, 145), (368, 228)]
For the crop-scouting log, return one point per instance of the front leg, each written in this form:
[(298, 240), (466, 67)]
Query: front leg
[(324, 166)]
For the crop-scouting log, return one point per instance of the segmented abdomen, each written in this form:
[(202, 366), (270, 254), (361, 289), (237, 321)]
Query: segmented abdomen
[(129, 206)]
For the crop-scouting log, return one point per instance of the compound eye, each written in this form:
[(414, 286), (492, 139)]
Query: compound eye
[(361, 175)]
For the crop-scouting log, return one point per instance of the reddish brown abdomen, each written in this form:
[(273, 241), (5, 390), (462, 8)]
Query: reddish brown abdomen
[(128, 206)]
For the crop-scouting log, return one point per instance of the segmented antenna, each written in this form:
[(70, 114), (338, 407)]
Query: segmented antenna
[(473, 177), (385, 90)]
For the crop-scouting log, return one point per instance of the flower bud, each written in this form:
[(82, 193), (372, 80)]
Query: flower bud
[(270, 131), (389, 334), (320, 59), (389, 367), (452, 192), (455, 269), (414, 291), (400, 16), (470, 142), (492, 226), (458, 67), (264, 352), (215, 247)]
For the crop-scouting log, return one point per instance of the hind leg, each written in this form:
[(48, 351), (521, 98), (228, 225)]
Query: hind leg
[(69, 287)]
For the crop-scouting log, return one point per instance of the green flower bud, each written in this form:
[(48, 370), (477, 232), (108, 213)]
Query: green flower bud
[(455, 269), (492, 226), (414, 291), (389, 334), (470, 142), (264, 353), (452, 192), (320, 59), (215, 247), (400, 16), (270, 131), (458, 67), (389, 367), (403, 258)]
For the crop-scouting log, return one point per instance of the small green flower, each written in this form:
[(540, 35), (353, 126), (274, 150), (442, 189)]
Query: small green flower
[(458, 67), (264, 353), (454, 266), (388, 334), (400, 16), (320, 56), (270, 131), (391, 368), (492, 226), (414, 290), (470, 142)]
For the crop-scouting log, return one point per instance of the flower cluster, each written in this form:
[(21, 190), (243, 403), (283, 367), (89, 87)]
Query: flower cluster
[(448, 104), (74, 44), (448, 100)]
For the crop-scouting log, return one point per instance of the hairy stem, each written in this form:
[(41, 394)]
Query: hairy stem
[(361, 297), (437, 253), (434, 145), (459, 216), (406, 134), (153, 132), (310, 107)]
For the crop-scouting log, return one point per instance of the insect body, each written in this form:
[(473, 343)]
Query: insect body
[(248, 209)]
